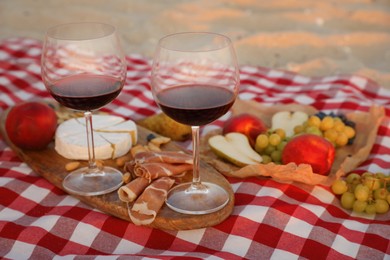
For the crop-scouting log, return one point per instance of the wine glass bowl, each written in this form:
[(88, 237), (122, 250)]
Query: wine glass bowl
[(83, 67), (195, 80)]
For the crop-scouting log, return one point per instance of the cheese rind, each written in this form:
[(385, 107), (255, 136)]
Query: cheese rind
[(113, 137)]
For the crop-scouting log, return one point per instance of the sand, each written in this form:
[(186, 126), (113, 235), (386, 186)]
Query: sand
[(310, 37)]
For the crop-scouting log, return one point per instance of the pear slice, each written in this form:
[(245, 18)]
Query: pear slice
[(287, 120), (241, 143), (224, 149)]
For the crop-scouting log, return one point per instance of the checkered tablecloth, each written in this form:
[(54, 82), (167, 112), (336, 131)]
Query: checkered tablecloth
[(269, 220)]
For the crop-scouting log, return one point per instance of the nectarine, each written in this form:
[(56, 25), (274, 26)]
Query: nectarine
[(310, 149), (31, 125), (246, 124)]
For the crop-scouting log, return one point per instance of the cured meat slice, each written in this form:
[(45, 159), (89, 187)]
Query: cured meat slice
[(164, 157), (154, 170), (130, 191), (148, 204)]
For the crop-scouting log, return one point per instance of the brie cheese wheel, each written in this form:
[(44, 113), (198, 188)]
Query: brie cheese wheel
[(113, 137)]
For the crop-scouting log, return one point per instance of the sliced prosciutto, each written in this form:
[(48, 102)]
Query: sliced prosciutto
[(163, 157), (154, 170), (133, 189), (146, 207)]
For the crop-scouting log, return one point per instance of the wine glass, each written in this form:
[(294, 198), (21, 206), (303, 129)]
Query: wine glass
[(84, 68), (195, 80)]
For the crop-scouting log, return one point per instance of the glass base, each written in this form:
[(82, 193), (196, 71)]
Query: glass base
[(82, 182), (196, 199)]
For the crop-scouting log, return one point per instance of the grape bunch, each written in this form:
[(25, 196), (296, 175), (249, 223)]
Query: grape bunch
[(369, 192), (270, 145), (335, 128)]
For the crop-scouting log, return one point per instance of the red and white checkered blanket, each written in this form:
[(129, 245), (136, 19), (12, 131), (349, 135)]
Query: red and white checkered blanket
[(269, 220)]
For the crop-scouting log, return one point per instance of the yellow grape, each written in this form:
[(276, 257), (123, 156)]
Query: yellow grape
[(331, 135), (280, 132), (381, 206), (262, 141), (353, 178), (299, 129), (338, 125), (341, 139), (274, 139), (359, 206), (339, 186), (327, 123), (347, 200), (370, 209), (381, 193), (314, 121), (369, 193), (350, 132), (362, 192), (367, 174), (371, 182), (381, 175)]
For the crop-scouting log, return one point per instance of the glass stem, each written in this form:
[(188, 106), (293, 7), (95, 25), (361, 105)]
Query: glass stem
[(91, 146), (195, 151)]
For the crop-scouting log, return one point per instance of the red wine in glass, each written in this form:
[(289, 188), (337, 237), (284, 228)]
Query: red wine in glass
[(86, 92), (195, 80), (195, 105), (84, 68)]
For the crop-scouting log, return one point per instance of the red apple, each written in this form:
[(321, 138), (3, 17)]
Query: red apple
[(246, 124), (310, 149), (31, 125)]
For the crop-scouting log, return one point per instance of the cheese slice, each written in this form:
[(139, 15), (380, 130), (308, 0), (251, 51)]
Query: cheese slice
[(113, 137)]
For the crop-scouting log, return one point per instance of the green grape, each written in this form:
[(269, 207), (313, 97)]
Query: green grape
[(347, 200), (371, 182), (274, 139), (359, 206), (370, 209), (388, 198), (313, 130), (266, 159), (381, 206), (281, 146), (276, 156), (262, 141), (269, 149), (353, 178), (339, 187), (362, 192), (381, 193)]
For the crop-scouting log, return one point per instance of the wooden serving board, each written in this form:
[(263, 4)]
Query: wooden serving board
[(51, 166)]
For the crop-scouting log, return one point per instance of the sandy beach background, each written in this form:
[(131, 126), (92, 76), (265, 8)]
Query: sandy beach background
[(310, 37)]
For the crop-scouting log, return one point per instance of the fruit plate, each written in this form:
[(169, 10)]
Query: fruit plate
[(346, 160), (51, 166)]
